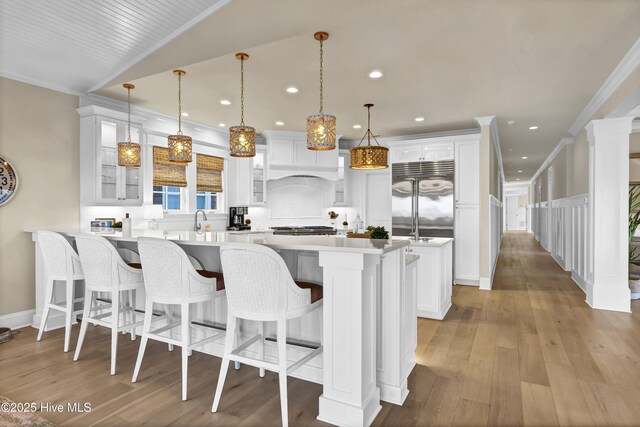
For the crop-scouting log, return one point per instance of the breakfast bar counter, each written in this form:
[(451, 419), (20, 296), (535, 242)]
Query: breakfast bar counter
[(367, 325)]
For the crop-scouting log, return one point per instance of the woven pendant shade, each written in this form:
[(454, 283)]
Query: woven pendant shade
[(242, 141), (128, 152), (321, 128), (180, 148), (321, 132), (369, 156)]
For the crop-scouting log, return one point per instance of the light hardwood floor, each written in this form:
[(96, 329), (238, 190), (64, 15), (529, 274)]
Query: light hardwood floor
[(530, 352)]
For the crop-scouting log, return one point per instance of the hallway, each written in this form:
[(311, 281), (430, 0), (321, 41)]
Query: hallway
[(529, 352)]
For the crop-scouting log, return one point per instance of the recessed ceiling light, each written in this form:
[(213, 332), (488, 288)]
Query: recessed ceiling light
[(197, 128), (357, 126), (510, 122), (185, 114), (519, 171), (524, 157), (375, 74), (221, 125), (280, 123), (510, 149), (419, 119), (533, 127), (517, 179), (159, 119), (225, 102), (292, 89)]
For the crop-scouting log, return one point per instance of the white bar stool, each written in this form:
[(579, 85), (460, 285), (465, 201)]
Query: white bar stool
[(61, 263), (106, 271), (171, 279), (259, 287)]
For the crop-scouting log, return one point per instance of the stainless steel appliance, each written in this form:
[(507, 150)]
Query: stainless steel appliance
[(422, 199), (304, 231), (236, 218)]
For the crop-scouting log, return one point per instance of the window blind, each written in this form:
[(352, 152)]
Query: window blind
[(165, 172), (209, 173)]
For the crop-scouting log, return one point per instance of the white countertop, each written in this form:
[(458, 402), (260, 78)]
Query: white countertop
[(218, 238), (433, 241)]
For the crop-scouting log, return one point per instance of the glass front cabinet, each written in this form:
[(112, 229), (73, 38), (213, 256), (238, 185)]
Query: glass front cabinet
[(103, 182), (258, 177)]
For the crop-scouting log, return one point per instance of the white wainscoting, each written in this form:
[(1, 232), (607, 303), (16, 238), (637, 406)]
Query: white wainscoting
[(495, 234), (562, 231), (577, 261)]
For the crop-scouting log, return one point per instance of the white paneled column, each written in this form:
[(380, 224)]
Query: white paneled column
[(607, 282), (350, 396)]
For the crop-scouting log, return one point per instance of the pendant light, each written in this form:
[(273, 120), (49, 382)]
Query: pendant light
[(128, 152), (242, 139), (369, 156), (179, 144), (321, 128)]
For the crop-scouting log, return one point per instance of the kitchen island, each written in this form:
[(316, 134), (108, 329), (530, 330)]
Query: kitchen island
[(367, 325)]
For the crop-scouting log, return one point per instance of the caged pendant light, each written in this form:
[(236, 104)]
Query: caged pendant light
[(321, 128), (369, 156), (242, 139), (180, 146), (128, 152)]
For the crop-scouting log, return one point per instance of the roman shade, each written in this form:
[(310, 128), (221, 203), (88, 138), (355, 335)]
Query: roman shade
[(209, 173), (166, 172)]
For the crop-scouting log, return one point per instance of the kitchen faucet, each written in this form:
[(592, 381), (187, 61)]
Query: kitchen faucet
[(196, 225)]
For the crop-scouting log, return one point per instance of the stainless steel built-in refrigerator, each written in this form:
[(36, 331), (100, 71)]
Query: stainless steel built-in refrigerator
[(422, 199)]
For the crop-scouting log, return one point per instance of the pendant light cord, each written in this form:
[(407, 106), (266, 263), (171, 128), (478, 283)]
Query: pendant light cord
[(179, 104), (368, 134), (129, 114), (242, 92), (321, 78)]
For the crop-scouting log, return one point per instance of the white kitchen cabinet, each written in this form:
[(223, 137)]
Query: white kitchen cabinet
[(288, 155), (343, 184), (467, 244), (467, 172), (378, 198), (259, 177), (422, 150), (102, 181), (248, 176), (434, 277)]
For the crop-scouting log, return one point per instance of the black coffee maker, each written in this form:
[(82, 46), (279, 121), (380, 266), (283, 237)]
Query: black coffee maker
[(236, 218)]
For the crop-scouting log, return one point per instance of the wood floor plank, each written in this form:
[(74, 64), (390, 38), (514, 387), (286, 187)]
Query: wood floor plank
[(529, 352)]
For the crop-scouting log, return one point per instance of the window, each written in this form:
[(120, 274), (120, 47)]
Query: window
[(168, 197), (206, 200)]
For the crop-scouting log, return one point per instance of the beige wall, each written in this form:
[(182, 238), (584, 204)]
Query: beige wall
[(494, 168), (39, 135), (559, 166), (580, 158)]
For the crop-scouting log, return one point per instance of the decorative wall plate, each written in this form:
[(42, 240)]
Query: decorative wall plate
[(8, 181)]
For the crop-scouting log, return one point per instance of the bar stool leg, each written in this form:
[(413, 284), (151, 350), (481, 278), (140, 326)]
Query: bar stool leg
[(132, 307), (146, 328), (282, 374), (261, 332), (236, 364), (169, 312), (68, 313), (47, 304), (224, 366), (186, 332), (115, 315), (88, 301)]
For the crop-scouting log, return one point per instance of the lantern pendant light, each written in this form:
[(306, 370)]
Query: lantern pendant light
[(180, 146), (321, 128), (128, 152), (242, 139), (369, 156)]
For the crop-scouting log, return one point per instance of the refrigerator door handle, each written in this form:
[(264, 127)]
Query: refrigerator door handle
[(413, 212), (416, 191)]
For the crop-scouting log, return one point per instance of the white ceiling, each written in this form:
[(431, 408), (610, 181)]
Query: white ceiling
[(72, 45), (536, 62)]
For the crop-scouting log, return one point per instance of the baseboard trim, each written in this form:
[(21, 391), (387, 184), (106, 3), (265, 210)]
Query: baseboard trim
[(466, 282), (579, 281), (485, 283), (17, 320)]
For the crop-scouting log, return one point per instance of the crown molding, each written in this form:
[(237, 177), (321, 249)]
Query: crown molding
[(564, 141), (39, 83), (627, 65), (484, 120), (179, 31)]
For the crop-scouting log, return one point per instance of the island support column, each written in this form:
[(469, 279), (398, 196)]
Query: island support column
[(350, 395)]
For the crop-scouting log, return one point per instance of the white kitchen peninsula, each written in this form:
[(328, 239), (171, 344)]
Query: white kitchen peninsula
[(365, 326)]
